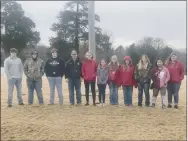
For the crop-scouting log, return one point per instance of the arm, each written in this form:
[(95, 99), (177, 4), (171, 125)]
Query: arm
[(167, 76), (83, 70), (182, 71), (134, 81), (6, 69), (21, 68), (136, 74), (66, 69), (106, 78), (26, 67), (63, 68), (42, 68)]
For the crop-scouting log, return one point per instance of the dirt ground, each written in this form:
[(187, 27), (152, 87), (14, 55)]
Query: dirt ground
[(95, 123)]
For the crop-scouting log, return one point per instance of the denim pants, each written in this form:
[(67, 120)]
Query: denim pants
[(127, 91), (113, 93), (18, 83), (143, 87), (74, 84), (173, 89), (34, 85), (102, 89), (92, 84), (55, 82)]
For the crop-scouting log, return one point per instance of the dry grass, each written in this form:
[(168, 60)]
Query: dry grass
[(95, 123)]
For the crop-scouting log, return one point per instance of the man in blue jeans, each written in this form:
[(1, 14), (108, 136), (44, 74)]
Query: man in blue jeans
[(55, 69), (73, 75), (34, 70), (14, 72)]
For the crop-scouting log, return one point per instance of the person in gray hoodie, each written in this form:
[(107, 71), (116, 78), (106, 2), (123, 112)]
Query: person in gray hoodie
[(34, 70), (14, 70), (102, 78)]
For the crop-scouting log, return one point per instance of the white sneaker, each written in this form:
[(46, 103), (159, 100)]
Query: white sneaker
[(100, 104), (103, 104)]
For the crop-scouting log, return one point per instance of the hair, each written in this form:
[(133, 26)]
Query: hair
[(73, 50), (100, 63), (168, 60), (116, 63), (13, 50), (90, 53), (140, 63)]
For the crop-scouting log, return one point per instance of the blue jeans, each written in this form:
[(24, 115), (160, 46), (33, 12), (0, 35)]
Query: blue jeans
[(55, 82), (143, 87), (74, 83), (127, 91), (34, 85), (113, 93), (173, 89), (18, 83)]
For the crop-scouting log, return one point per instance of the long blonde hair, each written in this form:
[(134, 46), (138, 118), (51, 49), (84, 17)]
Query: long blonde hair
[(140, 64), (114, 57)]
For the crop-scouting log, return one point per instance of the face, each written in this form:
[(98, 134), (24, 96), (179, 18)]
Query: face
[(54, 54), (144, 59), (159, 63), (88, 55), (74, 55), (114, 60), (127, 62), (34, 55), (173, 57), (13, 54), (103, 63)]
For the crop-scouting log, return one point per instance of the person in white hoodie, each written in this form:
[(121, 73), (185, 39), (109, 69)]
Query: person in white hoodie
[(14, 71)]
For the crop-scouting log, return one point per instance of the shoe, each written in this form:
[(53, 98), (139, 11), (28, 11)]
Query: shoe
[(140, 105), (50, 104), (169, 106), (9, 106), (126, 104), (21, 104), (153, 105), (176, 106), (94, 104), (130, 105), (163, 106), (86, 104), (71, 104), (147, 105), (103, 104)]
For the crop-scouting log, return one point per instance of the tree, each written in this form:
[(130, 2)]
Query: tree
[(19, 30), (72, 25), (120, 52)]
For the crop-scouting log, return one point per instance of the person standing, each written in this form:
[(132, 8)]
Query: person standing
[(102, 78), (55, 69), (73, 75), (89, 73), (13, 68), (34, 70), (176, 70), (127, 80), (114, 80), (142, 77), (160, 77)]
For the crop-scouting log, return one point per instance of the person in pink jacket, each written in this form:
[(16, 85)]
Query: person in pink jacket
[(160, 77)]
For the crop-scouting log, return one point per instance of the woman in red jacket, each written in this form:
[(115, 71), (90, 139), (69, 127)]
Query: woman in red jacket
[(89, 72), (114, 79), (176, 70), (127, 80)]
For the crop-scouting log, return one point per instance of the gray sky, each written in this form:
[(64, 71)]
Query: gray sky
[(127, 21)]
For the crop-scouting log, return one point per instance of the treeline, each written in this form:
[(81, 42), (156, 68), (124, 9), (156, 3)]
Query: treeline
[(71, 32)]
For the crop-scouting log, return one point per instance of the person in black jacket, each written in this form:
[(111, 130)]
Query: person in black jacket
[(73, 75), (55, 69)]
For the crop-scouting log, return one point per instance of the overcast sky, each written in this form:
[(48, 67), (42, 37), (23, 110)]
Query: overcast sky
[(127, 21)]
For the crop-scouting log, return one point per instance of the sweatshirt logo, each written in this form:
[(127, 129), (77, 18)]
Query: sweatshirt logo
[(54, 63)]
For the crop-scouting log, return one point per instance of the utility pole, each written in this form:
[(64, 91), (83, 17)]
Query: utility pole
[(91, 20)]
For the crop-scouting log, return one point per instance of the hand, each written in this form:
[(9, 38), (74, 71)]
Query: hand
[(136, 86), (67, 80)]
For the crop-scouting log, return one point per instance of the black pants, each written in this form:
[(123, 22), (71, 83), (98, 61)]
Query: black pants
[(92, 85), (102, 88)]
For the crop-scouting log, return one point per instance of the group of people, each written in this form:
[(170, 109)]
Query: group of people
[(161, 77)]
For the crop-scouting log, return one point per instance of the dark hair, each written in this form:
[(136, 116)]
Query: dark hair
[(13, 50), (158, 60), (73, 50)]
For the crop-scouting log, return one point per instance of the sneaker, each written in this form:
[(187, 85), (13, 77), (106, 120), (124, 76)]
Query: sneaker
[(9, 106), (86, 104), (130, 105), (163, 106), (71, 104), (21, 104), (140, 105), (126, 104), (94, 104), (50, 104), (153, 105), (103, 104), (169, 106), (176, 106)]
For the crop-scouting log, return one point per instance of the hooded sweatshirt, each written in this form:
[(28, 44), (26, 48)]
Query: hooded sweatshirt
[(102, 75), (13, 67), (127, 73), (176, 71), (89, 70), (159, 77)]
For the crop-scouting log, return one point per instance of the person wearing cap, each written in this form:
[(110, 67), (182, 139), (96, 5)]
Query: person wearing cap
[(14, 71), (176, 70), (127, 80), (73, 75), (34, 70), (54, 70)]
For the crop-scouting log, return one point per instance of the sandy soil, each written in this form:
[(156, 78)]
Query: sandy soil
[(96, 123)]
